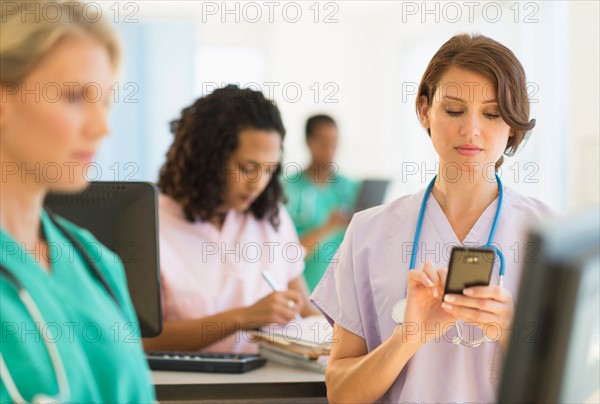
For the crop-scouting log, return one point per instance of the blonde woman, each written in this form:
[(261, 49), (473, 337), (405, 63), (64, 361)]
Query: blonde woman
[(69, 331)]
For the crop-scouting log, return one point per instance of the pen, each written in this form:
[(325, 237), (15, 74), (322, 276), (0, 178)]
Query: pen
[(269, 278)]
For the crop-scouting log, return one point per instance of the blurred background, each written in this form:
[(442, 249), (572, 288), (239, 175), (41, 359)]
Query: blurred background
[(361, 62)]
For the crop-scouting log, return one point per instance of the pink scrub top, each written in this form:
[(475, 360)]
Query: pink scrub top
[(206, 271), (369, 275)]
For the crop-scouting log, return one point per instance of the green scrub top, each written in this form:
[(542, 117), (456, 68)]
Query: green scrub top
[(310, 204), (98, 341)]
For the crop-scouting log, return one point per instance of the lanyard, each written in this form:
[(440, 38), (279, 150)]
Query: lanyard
[(490, 239)]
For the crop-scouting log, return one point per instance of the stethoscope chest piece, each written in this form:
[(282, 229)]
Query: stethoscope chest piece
[(398, 310)]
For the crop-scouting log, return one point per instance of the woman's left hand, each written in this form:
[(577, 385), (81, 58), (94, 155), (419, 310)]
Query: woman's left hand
[(491, 308)]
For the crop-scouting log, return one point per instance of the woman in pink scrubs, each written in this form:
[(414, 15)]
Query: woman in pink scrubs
[(473, 103), (222, 224)]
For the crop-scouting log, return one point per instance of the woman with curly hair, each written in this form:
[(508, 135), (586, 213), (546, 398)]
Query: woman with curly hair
[(222, 223)]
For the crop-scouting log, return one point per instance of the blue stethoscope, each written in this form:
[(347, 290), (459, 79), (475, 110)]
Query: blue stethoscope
[(400, 306)]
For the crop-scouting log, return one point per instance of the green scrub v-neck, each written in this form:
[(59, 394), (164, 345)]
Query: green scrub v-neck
[(99, 341)]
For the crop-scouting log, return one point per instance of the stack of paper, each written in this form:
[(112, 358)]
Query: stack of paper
[(304, 343)]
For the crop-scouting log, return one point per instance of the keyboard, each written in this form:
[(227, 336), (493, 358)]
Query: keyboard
[(204, 362)]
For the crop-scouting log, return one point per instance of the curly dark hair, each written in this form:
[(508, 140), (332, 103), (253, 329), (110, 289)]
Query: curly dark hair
[(205, 136)]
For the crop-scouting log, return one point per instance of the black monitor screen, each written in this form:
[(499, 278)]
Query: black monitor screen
[(123, 217), (558, 359)]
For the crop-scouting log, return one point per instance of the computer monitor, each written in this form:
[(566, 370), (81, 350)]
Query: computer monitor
[(554, 353), (123, 217), (372, 193)]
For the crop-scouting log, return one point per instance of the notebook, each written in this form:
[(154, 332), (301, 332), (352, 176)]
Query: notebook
[(311, 332)]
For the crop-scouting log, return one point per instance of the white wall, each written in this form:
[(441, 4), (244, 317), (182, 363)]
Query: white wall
[(583, 167), (377, 49)]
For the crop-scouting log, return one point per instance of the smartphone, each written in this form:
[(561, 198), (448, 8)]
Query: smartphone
[(469, 267)]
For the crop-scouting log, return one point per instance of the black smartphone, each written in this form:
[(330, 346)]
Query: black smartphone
[(469, 267)]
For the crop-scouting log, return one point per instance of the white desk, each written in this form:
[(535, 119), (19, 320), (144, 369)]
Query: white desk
[(272, 383)]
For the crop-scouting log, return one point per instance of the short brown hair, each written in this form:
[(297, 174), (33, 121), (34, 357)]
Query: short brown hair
[(483, 55)]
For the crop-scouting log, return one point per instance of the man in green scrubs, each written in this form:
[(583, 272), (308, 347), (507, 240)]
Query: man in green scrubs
[(98, 339), (320, 200)]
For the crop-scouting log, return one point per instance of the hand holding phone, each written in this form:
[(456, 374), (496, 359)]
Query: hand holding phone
[(469, 267)]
